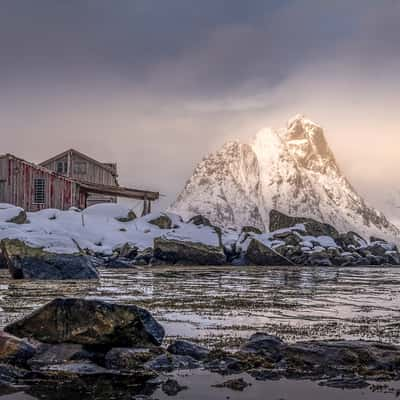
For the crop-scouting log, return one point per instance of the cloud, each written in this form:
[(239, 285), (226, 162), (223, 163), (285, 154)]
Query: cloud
[(157, 85)]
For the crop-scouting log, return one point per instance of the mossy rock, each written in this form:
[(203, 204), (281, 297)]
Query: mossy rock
[(130, 217), (163, 222), (26, 262), (21, 218)]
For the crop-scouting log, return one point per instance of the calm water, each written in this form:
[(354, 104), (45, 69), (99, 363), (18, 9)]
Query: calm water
[(226, 304)]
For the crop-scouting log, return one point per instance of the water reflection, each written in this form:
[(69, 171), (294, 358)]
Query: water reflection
[(210, 303)]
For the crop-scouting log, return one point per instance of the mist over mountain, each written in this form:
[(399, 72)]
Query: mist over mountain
[(292, 170)]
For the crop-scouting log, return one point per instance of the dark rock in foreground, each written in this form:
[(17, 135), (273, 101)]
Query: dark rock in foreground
[(88, 356), (234, 384), (184, 348), (90, 322), (25, 262), (14, 350), (171, 387), (128, 358), (171, 362)]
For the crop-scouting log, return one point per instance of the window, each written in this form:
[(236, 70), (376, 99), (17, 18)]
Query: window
[(2, 191), (80, 167), (61, 167), (39, 191)]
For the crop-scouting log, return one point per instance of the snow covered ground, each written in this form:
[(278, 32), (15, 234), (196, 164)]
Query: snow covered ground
[(96, 228)]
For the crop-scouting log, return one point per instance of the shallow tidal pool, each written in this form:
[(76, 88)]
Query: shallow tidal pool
[(221, 306)]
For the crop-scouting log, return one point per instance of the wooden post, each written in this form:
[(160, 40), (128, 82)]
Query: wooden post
[(144, 207)]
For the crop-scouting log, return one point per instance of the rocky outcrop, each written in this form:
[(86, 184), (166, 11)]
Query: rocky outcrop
[(97, 364), (259, 254), (90, 322), (179, 251), (292, 170), (278, 220), (25, 262)]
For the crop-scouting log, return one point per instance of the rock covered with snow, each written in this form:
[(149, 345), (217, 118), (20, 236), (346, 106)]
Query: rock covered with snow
[(292, 170), (69, 244), (26, 262)]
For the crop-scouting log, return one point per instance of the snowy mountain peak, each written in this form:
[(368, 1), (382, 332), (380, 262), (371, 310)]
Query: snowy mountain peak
[(292, 170), (307, 144)]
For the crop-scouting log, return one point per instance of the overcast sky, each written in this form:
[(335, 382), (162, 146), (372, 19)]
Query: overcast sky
[(156, 85)]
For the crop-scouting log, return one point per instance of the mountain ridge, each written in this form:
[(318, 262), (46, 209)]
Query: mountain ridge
[(292, 170)]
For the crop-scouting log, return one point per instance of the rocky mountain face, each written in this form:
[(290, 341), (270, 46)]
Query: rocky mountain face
[(292, 170), (391, 207)]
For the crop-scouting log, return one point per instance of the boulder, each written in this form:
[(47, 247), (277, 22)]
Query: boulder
[(381, 248), (350, 240), (184, 348), (128, 358), (263, 344), (171, 387), (14, 350), (20, 218), (278, 220), (163, 222), (238, 384), (200, 220), (171, 362), (290, 238), (48, 354), (259, 254), (128, 251), (180, 251), (251, 229), (25, 262), (144, 257), (131, 216), (120, 262), (341, 356), (90, 322)]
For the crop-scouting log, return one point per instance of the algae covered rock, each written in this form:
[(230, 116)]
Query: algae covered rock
[(163, 222), (90, 322), (26, 262)]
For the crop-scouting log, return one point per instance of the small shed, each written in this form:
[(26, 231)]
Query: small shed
[(79, 166), (35, 187)]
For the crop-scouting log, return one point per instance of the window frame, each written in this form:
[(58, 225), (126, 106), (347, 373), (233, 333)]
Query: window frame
[(35, 191), (3, 183), (80, 164), (63, 165)]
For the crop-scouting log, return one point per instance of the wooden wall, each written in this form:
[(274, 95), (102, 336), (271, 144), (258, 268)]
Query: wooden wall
[(18, 176), (94, 173)]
